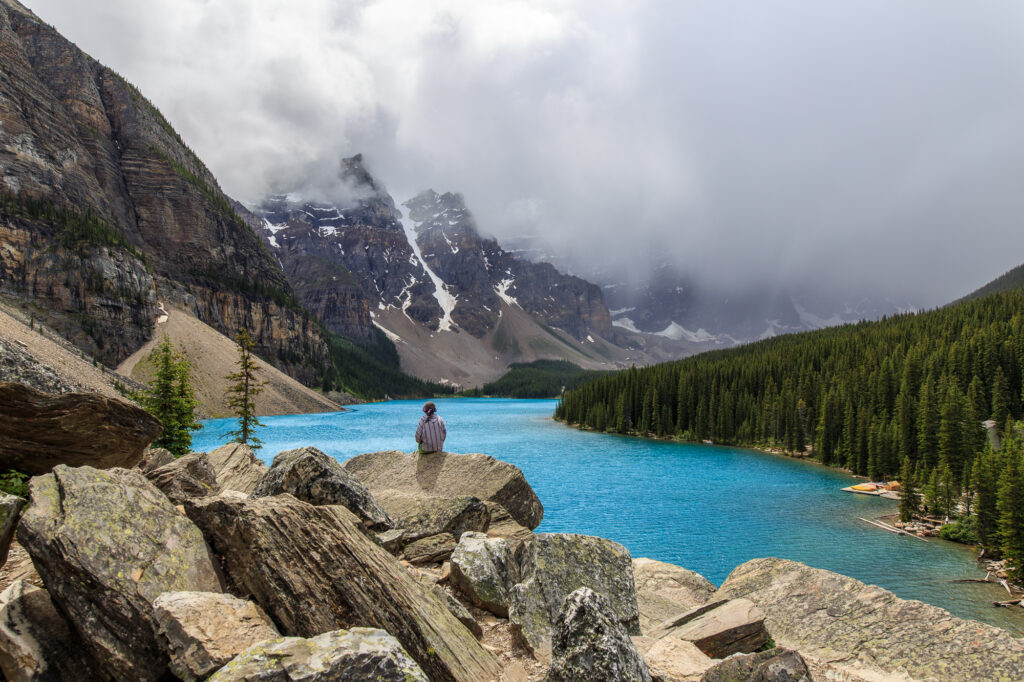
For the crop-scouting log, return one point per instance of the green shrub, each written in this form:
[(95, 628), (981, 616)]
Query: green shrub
[(14, 483)]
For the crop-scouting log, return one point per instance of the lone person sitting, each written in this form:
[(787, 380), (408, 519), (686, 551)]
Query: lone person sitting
[(431, 431)]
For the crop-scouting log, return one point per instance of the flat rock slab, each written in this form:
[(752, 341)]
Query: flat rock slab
[(237, 467), (356, 654), (673, 659), (432, 549), (444, 474), (774, 665), (665, 590), (314, 477), (107, 543), (205, 630), (553, 565), (720, 628), (421, 518), (589, 643), (40, 430), (313, 570), (185, 477), (861, 627), (36, 642)]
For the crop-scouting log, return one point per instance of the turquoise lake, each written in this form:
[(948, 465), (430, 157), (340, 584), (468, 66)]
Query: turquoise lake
[(707, 508)]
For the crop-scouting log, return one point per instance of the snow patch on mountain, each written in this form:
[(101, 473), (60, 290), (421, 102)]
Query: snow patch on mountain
[(445, 298), (502, 291), (626, 323)]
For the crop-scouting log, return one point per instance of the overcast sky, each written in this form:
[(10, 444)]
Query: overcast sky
[(871, 146)]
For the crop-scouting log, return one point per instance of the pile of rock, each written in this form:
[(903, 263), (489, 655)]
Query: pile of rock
[(399, 567)]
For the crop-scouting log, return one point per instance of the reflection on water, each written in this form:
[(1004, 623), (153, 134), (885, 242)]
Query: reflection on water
[(706, 508)]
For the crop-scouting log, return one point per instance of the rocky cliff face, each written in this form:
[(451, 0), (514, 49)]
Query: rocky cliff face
[(345, 262), (105, 210)]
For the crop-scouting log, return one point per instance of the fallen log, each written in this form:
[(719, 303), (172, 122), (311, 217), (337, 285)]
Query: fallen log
[(1012, 602), (892, 529)]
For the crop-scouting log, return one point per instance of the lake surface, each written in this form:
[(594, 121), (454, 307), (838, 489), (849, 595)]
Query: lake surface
[(707, 508)]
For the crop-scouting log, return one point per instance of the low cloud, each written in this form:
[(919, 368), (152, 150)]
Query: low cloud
[(867, 148)]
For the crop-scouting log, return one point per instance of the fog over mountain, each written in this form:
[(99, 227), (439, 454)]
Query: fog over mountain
[(865, 148)]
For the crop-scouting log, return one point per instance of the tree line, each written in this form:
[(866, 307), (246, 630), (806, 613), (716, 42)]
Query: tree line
[(908, 392)]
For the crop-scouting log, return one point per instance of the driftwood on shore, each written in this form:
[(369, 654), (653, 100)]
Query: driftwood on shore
[(1012, 602), (892, 529)]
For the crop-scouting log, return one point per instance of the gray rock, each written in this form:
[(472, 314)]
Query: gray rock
[(502, 525), (671, 659), (40, 431), (237, 467), (187, 476), (154, 458), (774, 665), (720, 628), (36, 641), (454, 515), (356, 654), (590, 645), (453, 605), (665, 590), (856, 627), (432, 549), (107, 544), (18, 567), (444, 474), (10, 510), (205, 630), (314, 477), (485, 569), (313, 570), (553, 565), (391, 540)]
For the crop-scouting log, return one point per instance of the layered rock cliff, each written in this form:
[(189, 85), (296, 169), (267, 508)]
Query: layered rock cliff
[(105, 210)]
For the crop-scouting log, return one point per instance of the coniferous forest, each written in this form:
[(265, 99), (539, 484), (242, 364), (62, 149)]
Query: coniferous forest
[(904, 397)]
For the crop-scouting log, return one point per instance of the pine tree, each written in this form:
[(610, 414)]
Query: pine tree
[(1000, 399), (910, 498), (170, 399), (1011, 515), (241, 394)]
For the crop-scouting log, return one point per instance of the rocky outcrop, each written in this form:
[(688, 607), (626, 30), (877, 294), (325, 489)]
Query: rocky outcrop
[(589, 643), (774, 665), (18, 567), (430, 550), (719, 628), (314, 477), (139, 214), (665, 590), (188, 476), (452, 515), (10, 510), (107, 544), (205, 630), (857, 627), (672, 660), (394, 475), (237, 467), (485, 569), (40, 430), (553, 565), (356, 654), (154, 458), (312, 570), (36, 641)]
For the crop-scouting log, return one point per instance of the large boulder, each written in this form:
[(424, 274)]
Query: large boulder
[(36, 642), (444, 474), (485, 569), (356, 654), (314, 477), (774, 665), (313, 570), (454, 515), (107, 544), (154, 458), (553, 565), (237, 467), (10, 510), (432, 549), (502, 525), (665, 590), (187, 476), (205, 630), (40, 430), (589, 643), (671, 659), (857, 627), (719, 628)]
